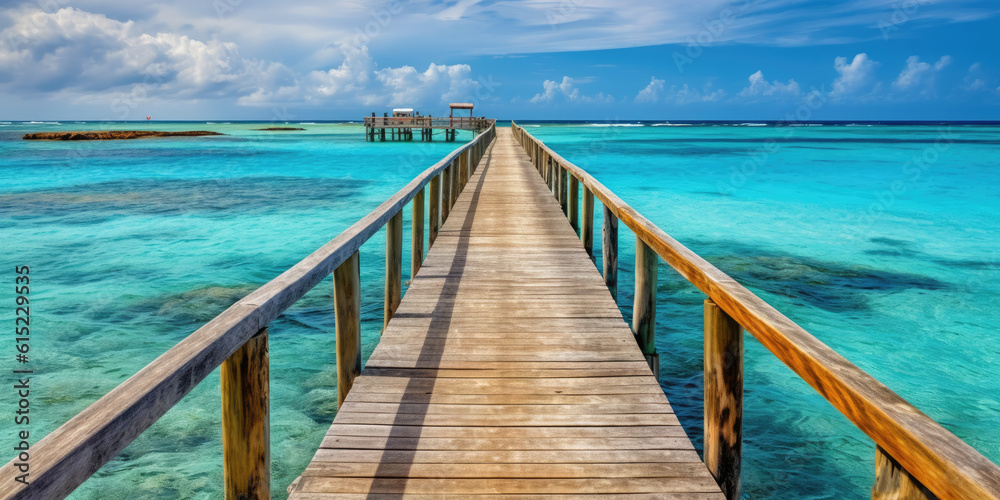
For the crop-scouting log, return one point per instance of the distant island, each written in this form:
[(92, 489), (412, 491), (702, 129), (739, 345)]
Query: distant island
[(111, 135), (279, 129)]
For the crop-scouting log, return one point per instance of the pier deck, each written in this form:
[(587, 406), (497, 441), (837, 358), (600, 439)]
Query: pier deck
[(506, 370)]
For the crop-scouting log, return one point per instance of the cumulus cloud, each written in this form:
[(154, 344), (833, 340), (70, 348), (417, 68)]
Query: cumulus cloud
[(854, 76), (689, 95), (919, 74), (652, 92), (71, 51), (759, 87), (568, 90)]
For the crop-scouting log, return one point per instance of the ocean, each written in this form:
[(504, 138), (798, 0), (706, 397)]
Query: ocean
[(880, 239)]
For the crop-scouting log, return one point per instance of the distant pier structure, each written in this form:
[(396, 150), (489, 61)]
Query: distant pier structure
[(400, 126)]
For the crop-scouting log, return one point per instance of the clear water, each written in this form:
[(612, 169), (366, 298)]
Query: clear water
[(134, 244)]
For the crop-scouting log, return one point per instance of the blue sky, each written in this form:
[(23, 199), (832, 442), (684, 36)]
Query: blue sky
[(528, 59)]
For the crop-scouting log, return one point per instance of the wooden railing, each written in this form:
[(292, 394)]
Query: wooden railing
[(237, 340), (915, 456), (457, 122)]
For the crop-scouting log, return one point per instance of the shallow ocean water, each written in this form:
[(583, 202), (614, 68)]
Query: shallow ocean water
[(134, 244)]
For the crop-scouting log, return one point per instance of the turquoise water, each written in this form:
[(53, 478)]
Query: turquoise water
[(134, 244)]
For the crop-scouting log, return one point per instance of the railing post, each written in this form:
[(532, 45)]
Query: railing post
[(347, 310), (574, 202), (445, 193), (464, 166), (417, 241), (563, 190), (644, 307), (893, 482), (455, 184), (610, 248), (723, 398), (587, 233), (393, 265), (434, 215), (246, 424)]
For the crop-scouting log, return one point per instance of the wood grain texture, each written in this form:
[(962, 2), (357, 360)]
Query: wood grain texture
[(609, 258), (393, 266), (723, 399), (937, 458), (246, 423), (587, 230), (644, 304), (446, 194), (507, 369), (894, 483), (574, 202), (434, 211), (347, 311), (417, 239)]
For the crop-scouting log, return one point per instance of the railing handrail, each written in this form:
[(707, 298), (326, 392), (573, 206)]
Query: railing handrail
[(69, 455), (939, 459)]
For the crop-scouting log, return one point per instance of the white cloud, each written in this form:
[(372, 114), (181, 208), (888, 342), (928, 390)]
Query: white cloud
[(688, 95), (916, 73), (73, 52), (651, 93), (854, 76), (759, 86), (569, 92)]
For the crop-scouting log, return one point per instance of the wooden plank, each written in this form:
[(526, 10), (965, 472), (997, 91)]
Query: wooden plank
[(937, 458), (892, 482), (723, 398), (507, 351), (246, 424), (574, 202)]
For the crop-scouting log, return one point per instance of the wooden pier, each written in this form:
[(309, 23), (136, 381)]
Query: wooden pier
[(390, 128), (507, 369)]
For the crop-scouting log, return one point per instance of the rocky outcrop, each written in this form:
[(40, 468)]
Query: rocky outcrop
[(111, 135), (281, 129)]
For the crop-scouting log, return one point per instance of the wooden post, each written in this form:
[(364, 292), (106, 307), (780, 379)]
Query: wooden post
[(455, 186), (417, 241), (347, 309), (723, 398), (463, 170), (610, 248), (246, 424), (564, 190), (587, 233), (393, 265), (892, 482), (434, 216), (574, 202), (644, 307), (445, 194)]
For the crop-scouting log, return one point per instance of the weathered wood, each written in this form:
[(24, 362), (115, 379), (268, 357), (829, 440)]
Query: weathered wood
[(723, 398), (446, 194), (892, 482), (610, 251), (937, 458), (434, 214), (393, 266), (506, 351), (587, 232), (644, 308), (564, 190), (464, 165), (417, 239), (574, 202), (246, 424), (456, 186), (347, 308)]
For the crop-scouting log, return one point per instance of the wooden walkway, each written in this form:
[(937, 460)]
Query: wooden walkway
[(507, 370)]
